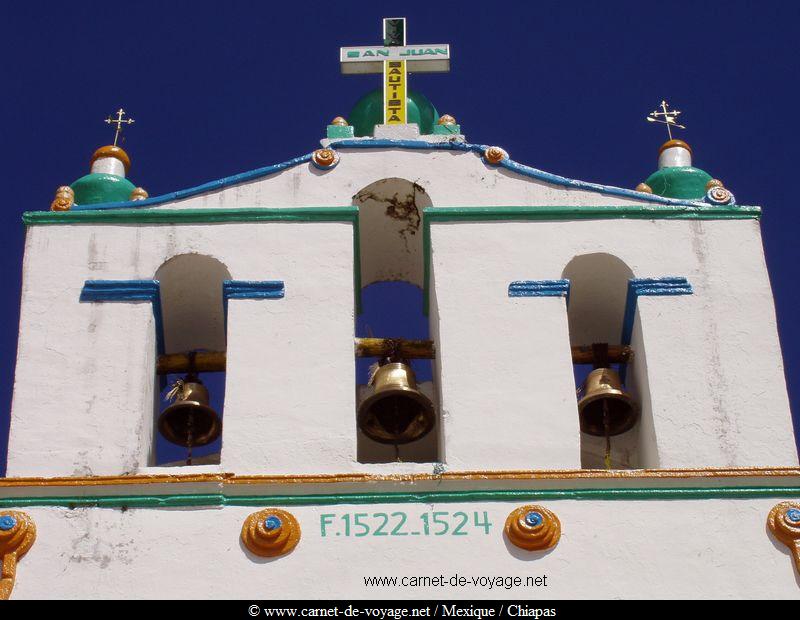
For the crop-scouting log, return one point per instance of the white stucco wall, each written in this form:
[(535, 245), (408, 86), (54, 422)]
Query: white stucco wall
[(451, 178), (713, 548), (84, 375), (83, 401), (84, 390), (714, 369)]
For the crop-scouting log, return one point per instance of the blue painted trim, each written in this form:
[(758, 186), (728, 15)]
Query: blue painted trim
[(510, 164), (251, 289), (539, 288), (199, 189), (651, 287), (126, 291), (379, 143), (120, 290)]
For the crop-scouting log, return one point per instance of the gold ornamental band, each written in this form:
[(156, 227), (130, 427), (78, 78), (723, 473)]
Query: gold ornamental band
[(545, 474)]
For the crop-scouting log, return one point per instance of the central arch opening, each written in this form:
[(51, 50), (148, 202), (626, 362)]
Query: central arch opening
[(391, 213)]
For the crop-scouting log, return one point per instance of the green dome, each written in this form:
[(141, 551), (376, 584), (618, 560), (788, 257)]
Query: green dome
[(96, 188), (368, 112), (684, 182)]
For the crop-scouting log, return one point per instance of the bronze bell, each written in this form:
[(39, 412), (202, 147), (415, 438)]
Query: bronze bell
[(189, 421), (397, 412), (603, 396)]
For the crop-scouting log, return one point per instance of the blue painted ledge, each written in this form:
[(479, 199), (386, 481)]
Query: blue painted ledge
[(128, 291), (637, 287), (251, 289), (539, 288), (120, 290)]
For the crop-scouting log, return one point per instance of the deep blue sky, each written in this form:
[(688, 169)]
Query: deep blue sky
[(220, 89)]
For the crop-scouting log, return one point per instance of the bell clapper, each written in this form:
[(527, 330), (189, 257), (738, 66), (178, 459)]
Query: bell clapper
[(189, 439), (394, 357), (190, 430), (607, 427), (191, 378)]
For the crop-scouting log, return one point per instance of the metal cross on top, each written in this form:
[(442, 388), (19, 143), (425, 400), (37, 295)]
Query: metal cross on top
[(393, 59), (119, 123), (666, 116)]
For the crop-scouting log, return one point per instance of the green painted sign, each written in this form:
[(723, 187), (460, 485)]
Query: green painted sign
[(364, 54)]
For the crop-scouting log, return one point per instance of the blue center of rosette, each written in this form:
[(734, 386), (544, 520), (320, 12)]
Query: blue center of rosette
[(7, 522), (272, 523)]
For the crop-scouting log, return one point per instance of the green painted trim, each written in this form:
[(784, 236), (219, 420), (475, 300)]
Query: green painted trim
[(426, 263), (338, 132), (357, 264), (446, 130), (116, 501), (637, 212), (555, 214), (193, 216), (422, 497), (350, 214), (212, 216)]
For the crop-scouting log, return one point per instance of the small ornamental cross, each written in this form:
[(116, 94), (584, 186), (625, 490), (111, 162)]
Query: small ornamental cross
[(666, 116), (393, 59), (119, 122)]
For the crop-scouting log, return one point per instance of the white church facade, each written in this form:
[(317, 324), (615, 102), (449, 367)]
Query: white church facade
[(691, 489)]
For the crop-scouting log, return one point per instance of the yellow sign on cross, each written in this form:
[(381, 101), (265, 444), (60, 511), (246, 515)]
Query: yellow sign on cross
[(394, 92)]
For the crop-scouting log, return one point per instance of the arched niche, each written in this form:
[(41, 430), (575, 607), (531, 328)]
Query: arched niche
[(390, 213), (390, 216), (597, 294), (191, 302), (193, 316), (596, 312)]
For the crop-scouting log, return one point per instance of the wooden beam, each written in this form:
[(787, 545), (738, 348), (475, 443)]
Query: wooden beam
[(381, 347), (215, 361), (204, 361), (617, 354), (425, 349)]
